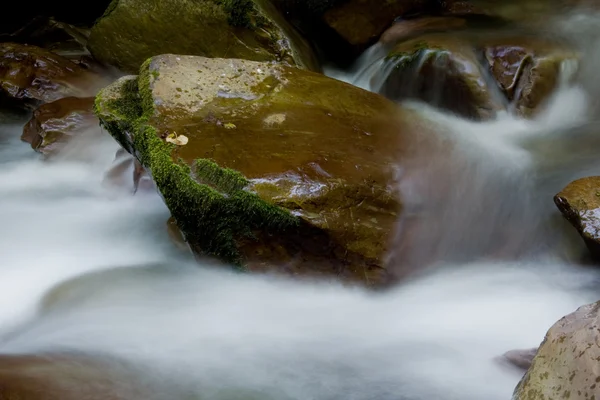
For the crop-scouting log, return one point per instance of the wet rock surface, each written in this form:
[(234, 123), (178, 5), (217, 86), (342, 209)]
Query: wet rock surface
[(133, 30), (442, 71), (528, 70), (404, 29), (310, 186), (72, 376), (521, 359), (360, 22), (32, 73), (52, 124), (579, 202), (127, 173), (566, 364), (58, 37)]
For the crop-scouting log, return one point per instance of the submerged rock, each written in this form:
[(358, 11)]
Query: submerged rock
[(528, 70), (52, 124), (127, 173), (566, 364), (579, 202), (133, 30), (281, 169), (521, 359), (76, 376), (441, 71), (33, 73)]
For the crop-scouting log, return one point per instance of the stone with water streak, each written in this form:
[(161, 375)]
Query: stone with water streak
[(579, 203), (521, 359), (344, 28), (52, 124), (284, 169), (126, 172), (528, 70), (440, 70), (133, 30), (33, 73), (566, 365)]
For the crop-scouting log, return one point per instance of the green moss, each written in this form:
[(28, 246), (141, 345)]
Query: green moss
[(405, 58), (144, 81), (213, 210), (242, 13), (111, 7), (224, 179), (128, 104), (123, 110)]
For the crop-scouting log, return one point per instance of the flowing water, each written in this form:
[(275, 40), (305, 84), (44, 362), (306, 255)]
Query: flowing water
[(87, 270)]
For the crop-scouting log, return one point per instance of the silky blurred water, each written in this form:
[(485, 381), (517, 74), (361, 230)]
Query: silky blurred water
[(88, 268)]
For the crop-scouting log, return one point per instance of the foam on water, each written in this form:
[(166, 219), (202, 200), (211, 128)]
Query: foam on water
[(58, 220), (211, 331)]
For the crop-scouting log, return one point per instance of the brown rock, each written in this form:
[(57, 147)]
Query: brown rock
[(58, 37), (406, 28), (30, 72), (361, 22), (73, 376), (176, 235), (527, 69), (579, 203), (566, 365), (291, 171), (441, 71), (521, 359), (52, 124)]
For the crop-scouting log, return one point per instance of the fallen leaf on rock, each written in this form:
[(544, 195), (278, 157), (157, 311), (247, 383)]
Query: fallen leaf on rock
[(179, 140)]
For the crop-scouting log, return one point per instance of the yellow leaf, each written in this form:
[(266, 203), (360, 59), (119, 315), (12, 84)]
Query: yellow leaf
[(180, 140), (229, 125)]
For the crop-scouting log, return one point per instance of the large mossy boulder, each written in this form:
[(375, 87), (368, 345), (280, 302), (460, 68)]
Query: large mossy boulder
[(566, 364), (266, 166), (133, 30)]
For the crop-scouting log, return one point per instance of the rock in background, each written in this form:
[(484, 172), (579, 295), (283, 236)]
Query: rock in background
[(130, 31)]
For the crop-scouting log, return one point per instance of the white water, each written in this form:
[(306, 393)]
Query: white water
[(207, 333)]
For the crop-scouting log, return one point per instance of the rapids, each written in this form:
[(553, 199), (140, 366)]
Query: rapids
[(87, 269)]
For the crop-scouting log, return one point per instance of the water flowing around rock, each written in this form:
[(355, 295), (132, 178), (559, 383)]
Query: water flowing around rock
[(97, 302)]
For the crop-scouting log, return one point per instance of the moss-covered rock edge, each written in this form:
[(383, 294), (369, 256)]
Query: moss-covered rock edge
[(403, 59), (210, 203)]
